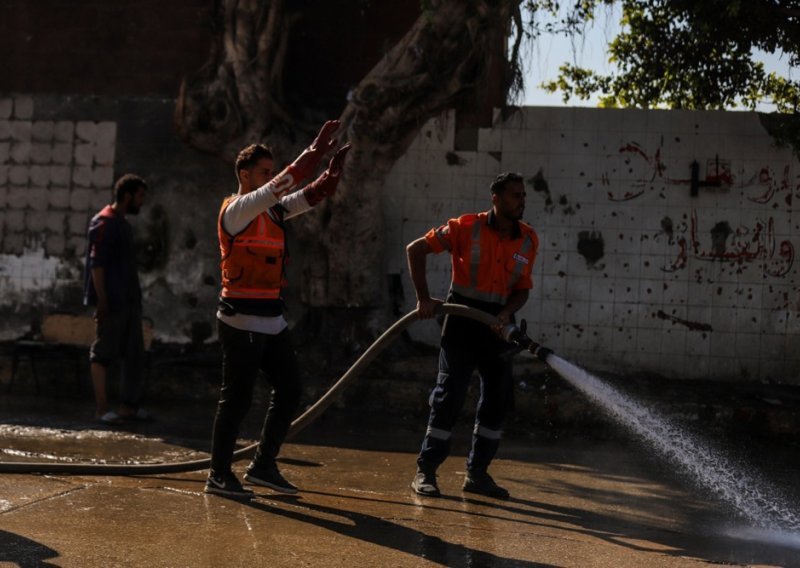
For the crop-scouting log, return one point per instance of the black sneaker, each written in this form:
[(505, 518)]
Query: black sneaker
[(269, 477), (424, 483), (227, 485), (483, 484)]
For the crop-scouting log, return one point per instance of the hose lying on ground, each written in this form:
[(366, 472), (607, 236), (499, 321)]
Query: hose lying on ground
[(301, 422)]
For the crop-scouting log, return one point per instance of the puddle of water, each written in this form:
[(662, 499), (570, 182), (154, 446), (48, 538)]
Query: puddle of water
[(750, 495)]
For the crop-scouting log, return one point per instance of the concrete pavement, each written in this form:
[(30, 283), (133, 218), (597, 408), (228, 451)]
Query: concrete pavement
[(574, 503)]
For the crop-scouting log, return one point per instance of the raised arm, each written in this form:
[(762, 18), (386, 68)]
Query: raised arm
[(241, 211)]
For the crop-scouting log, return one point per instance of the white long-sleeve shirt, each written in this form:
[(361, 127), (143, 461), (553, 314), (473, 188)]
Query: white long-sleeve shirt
[(244, 208), (239, 213)]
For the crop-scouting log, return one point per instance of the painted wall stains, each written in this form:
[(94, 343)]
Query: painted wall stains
[(694, 326), (189, 239), (567, 208), (757, 244), (668, 227), (645, 171), (773, 186), (454, 159), (152, 240), (539, 185), (591, 247), (634, 272), (719, 236)]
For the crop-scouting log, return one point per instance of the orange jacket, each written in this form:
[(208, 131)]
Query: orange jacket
[(253, 260), (486, 267)]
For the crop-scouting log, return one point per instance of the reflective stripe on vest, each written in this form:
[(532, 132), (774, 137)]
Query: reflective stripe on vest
[(527, 244), (475, 254), (440, 235), (472, 291)]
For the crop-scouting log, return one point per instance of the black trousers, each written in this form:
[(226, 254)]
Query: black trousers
[(468, 346), (120, 337), (244, 353)]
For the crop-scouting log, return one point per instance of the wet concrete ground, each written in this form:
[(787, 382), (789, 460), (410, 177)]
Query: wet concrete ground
[(574, 502)]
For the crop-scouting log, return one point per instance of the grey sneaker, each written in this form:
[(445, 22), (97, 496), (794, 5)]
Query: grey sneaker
[(227, 485), (483, 484), (269, 477), (424, 483)]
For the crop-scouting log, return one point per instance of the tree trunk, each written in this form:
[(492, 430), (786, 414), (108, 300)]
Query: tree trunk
[(444, 55), (237, 98)]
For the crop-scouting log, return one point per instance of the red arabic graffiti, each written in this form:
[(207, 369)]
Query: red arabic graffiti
[(748, 245), (654, 169), (772, 186)]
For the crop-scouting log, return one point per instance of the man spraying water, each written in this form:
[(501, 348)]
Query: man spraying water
[(493, 254)]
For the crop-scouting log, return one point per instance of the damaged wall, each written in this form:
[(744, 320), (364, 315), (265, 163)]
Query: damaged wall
[(58, 160), (641, 268), (635, 273)]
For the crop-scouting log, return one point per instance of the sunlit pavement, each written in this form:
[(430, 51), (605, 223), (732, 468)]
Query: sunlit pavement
[(573, 504)]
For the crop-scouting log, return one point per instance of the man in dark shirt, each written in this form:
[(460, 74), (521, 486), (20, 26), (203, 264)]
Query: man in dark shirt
[(111, 284)]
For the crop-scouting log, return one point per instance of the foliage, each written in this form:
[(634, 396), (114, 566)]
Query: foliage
[(784, 129), (689, 54)]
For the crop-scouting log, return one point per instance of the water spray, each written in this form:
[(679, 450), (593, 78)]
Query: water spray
[(750, 495)]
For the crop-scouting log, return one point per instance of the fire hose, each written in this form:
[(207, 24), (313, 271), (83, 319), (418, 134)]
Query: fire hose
[(514, 335)]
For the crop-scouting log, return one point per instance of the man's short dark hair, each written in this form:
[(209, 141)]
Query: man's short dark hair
[(499, 183), (129, 183), (249, 157)]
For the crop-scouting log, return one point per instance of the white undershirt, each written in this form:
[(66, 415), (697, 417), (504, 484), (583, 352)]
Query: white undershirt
[(239, 213)]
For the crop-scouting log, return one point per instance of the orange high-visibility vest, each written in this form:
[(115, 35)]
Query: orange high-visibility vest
[(252, 261), (486, 267)]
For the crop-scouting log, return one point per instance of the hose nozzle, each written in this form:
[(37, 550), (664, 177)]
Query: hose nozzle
[(518, 337), (512, 334)]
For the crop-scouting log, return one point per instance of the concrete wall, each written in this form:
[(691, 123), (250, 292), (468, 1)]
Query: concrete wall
[(58, 159), (634, 273)]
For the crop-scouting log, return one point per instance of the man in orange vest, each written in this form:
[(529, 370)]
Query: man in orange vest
[(252, 330), (492, 254)]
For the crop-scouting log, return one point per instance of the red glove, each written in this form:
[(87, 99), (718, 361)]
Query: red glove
[(325, 185), (307, 162)]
